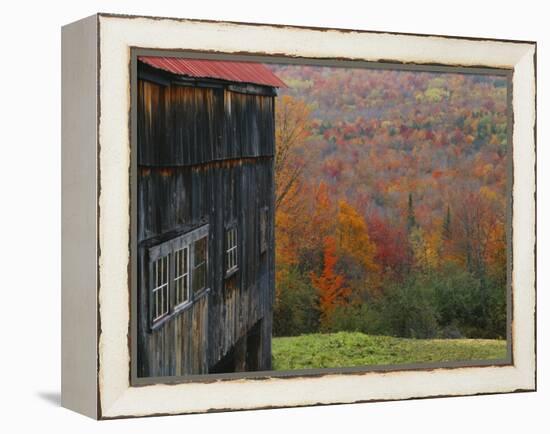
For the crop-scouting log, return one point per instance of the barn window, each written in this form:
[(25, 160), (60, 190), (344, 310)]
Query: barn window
[(263, 229), (199, 264), (178, 270), (231, 263), (181, 276), (160, 299)]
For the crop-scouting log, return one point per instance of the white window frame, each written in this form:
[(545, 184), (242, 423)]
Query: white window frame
[(160, 293), (182, 274), (231, 249), (198, 291), (169, 250)]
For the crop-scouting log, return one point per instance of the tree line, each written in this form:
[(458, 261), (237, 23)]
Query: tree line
[(408, 246)]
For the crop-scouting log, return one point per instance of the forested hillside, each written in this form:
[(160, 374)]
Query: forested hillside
[(391, 202)]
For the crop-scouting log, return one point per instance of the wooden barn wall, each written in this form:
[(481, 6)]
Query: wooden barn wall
[(213, 163), (179, 347), (187, 125)]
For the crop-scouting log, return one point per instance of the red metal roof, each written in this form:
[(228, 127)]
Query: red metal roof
[(242, 72)]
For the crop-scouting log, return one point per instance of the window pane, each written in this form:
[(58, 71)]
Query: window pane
[(200, 250), (186, 287), (159, 296), (185, 261), (181, 276), (199, 270), (162, 270), (199, 277), (231, 249), (169, 275)]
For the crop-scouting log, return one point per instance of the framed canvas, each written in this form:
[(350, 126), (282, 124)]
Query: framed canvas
[(261, 216)]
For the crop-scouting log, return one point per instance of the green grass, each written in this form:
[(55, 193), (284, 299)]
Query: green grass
[(346, 349)]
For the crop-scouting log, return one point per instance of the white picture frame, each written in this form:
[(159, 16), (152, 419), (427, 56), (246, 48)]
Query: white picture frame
[(96, 101)]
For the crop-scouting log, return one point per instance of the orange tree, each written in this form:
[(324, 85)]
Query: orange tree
[(330, 285)]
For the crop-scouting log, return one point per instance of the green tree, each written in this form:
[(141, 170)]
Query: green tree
[(411, 219), (408, 310), (447, 231), (296, 306)]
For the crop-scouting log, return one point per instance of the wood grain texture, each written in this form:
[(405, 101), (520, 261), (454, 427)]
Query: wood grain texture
[(205, 155)]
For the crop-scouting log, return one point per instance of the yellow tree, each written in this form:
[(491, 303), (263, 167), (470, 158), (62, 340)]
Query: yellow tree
[(427, 248), (496, 249), (434, 248), (292, 130), (476, 216), (495, 254), (353, 237), (291, 231), (320, 222)]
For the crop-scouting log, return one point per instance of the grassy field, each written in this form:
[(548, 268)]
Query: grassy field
[(357, 349)]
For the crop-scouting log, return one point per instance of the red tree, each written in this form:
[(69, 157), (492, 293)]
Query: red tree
[(330, 285), (392, 253)]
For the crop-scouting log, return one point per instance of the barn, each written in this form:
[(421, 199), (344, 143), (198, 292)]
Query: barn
[(205, 217)]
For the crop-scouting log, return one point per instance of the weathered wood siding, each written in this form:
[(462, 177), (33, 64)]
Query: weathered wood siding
[(205, 155), (186, 125)]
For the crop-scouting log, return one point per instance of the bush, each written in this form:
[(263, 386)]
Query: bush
[(458, 298), (448, 303), (355, 318), (406, 310), (409, 310), (496, 321), (295, 311), (475, 307)]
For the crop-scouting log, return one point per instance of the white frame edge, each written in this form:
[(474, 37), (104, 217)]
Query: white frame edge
[(79, 239), (116, 36)]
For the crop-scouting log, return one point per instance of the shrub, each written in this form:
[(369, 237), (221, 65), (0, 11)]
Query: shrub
[(496, 321), (448, 303), (474, 306), (356, 318), (295, 311), (458, 298), (407, 310)]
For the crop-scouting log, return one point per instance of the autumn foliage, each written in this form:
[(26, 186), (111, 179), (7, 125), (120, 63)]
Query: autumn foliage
[(330, 285), (353, 237), (293, 129), (391, 202)]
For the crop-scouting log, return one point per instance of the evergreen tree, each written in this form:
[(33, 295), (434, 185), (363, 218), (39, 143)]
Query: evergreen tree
[(447, 232), (411, 219)]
